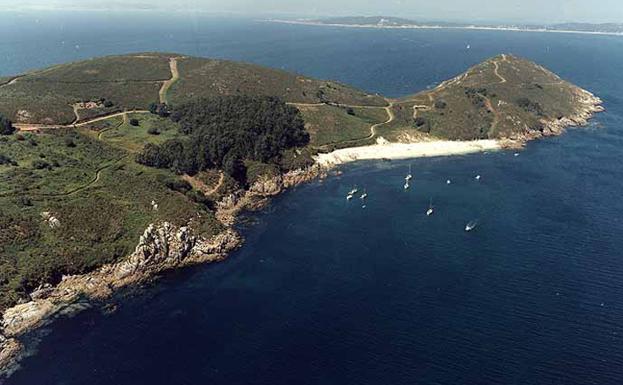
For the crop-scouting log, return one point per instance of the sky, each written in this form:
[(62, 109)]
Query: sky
[(526, 11)]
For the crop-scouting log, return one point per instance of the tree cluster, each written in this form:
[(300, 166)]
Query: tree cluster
[(223, 132)]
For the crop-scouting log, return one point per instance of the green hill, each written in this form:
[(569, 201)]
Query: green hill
[(503, 97), (78, 91)]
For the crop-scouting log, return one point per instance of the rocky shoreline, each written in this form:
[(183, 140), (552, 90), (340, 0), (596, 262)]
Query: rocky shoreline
[(162, 247), (588, 106)]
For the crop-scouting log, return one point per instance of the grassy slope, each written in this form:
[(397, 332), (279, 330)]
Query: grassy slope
[(330, 124), (100, 220), (205, 77), (47, 96), (133, 81)]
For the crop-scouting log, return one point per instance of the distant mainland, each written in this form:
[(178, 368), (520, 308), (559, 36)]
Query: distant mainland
[(397, 22)]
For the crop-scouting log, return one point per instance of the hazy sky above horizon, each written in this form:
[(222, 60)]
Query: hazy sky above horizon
[(450, 10)]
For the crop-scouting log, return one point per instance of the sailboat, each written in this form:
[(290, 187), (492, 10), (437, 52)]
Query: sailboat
[(406, 186), (430, 210), (351, 193), (448, 181), (471, 225), (477, 177), (409, 175), (364, 195)]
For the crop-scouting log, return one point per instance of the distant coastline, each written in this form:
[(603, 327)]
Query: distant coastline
[(432, 26)]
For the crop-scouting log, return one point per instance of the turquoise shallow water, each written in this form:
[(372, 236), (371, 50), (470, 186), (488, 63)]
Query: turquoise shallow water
[(327, 292)]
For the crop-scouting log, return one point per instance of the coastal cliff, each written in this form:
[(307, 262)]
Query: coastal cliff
[(161, 247)]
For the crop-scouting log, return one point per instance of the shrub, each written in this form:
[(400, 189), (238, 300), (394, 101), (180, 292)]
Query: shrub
[(6, 126), (69, 142), (420, 121), (199, 197), (6, 160), (40, 164), (153, 108), (134, 122), (440, 104), (530, 106), (160, 109), (24, 201), (153, 131), (108, 103), (350, 111), (178, 185)]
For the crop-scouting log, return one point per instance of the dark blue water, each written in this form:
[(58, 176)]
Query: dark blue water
[(327, 292)]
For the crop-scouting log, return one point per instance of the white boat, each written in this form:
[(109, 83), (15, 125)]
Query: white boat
[(364, 195), (349, 197), (409, 175), (471, 225), (477, 177), (353, 191), (448, 181), (406, 186), (431, 209)]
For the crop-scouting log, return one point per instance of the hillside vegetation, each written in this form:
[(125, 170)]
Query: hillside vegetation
[(76, 192), (105, 85), (503, 97), (70, 202)]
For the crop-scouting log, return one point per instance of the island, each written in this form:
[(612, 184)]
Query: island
[(119, 168), (398, 22)]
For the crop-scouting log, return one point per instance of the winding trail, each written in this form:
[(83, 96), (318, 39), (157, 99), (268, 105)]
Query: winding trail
[(199, 185), (497, 68), (388, 110), (496, 114), (333, 105), (175, 76), (390, 118), (36, 127), (76, 112)]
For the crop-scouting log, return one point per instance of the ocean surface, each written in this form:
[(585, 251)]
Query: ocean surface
[(327, 291)]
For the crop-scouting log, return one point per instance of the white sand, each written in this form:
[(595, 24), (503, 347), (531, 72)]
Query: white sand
[(407, 150)]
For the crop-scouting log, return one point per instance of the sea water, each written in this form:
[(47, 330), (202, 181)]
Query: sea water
[(327, 291)]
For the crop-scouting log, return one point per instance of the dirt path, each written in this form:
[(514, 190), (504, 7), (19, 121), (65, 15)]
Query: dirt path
[(420, 107), (496, 114), (77, 113), (332, 105), (36, 127), (199, 185), (175, 76), (497, 68), (390, 118)]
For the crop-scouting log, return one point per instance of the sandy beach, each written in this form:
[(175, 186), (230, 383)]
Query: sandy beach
[(407, 150)]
